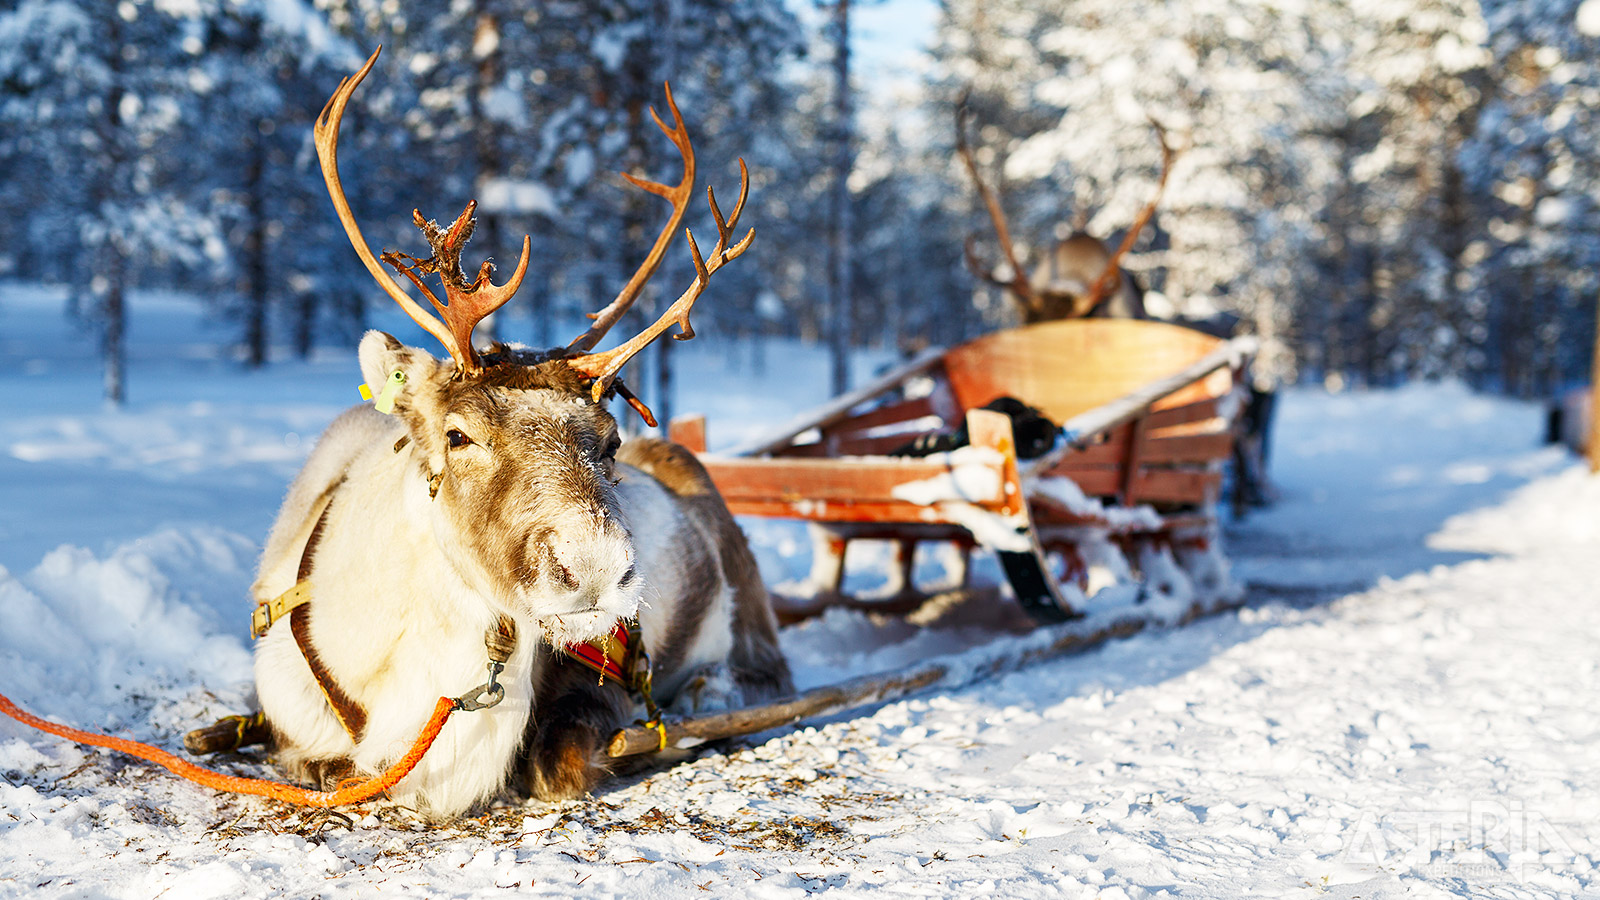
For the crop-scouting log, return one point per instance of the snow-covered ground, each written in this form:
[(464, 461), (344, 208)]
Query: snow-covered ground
[(1405, 708)]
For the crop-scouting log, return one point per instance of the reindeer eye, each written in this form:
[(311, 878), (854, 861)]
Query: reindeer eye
[(456, 438), (610, 452)]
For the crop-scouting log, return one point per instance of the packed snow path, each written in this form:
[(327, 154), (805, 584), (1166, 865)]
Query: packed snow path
[(1405, 710)]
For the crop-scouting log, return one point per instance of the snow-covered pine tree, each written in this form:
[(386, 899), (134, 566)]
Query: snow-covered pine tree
[(1417, 73), (1532, 165), (266, 68), (106, 93)]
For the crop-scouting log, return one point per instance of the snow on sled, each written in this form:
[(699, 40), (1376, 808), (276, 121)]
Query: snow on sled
[(1087, 455)]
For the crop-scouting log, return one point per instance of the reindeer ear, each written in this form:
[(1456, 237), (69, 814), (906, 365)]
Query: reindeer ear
[(382, 356)]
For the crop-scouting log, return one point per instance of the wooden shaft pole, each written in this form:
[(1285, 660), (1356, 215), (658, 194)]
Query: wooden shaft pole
[(950, 673)]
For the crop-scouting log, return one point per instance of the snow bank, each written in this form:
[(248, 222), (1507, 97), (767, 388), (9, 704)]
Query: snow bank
[(80, 634)]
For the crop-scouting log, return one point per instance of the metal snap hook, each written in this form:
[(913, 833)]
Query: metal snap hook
[(485, 695)]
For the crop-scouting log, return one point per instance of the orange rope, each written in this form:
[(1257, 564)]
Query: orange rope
[(353, 793)]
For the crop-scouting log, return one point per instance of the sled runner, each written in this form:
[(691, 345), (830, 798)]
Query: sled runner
[(1122, 500)]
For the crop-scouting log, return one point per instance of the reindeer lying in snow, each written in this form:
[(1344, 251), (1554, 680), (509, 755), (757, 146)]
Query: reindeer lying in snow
[(496, 517)]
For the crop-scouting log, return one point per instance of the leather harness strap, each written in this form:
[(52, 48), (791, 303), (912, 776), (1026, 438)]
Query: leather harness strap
[(345, 708), (270, 611), (292, 603), (304, 570)]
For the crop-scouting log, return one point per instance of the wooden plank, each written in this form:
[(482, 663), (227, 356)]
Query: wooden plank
[(792, 480), (822, 480), (1049, 513), (990, 430), (1107, 452), (1189, 429), (803, 451), (873, 446), (1188, 412), (1094, 481), (1067, 368), (1177, 485), (1196, 448), (1128, 490), (888, 414), (849, 511), (838, 408), (1150, 485), (689, 432), (1182, 522), (862, 490)]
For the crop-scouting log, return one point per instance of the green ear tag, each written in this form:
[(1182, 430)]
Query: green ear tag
[(391, 389)]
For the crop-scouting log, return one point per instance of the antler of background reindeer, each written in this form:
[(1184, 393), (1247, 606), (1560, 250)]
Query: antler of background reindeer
[(468, 303), (1019, 283)]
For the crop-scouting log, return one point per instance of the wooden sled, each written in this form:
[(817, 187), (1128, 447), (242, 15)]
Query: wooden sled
[(1147, 412), (1124, 502)]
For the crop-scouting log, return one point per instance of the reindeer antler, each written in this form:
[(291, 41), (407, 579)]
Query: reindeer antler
[(679, 196), (467, 303), (1101, 288), (1018, 284), (603, 367)]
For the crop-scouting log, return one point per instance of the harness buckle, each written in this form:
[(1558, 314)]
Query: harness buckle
[(485, 695)]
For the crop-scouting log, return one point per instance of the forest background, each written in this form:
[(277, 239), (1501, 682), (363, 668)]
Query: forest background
[(1382, 190)]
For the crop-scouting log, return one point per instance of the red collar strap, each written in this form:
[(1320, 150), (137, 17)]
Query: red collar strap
[(615, 656)]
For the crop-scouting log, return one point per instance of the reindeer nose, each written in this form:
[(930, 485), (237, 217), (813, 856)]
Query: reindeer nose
[(589, 568)]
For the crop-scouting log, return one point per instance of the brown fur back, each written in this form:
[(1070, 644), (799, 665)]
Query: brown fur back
[(674, 466), (756, 658)]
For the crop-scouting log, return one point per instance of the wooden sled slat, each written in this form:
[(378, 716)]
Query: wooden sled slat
[(689, 431), (1176, 486), (843, 512), (1109, 452), (874, 446), (1093, 481), (1197, 448), (888, 414), (819, 480), (1180, 415)]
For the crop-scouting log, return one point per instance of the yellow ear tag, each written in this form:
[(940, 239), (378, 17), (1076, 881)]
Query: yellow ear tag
[(366, 392), (391, 389)]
